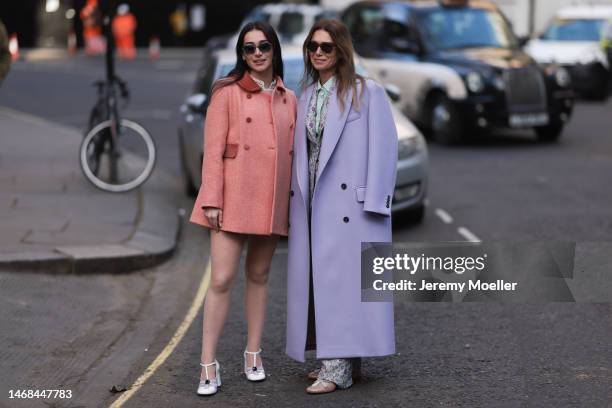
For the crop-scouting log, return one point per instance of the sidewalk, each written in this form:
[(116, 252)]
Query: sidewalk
[(53, 220)]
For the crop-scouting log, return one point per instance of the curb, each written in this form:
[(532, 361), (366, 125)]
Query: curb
[(154, 239), (144, 249)]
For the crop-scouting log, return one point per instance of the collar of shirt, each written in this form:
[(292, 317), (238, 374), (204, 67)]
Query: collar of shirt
[(327, 86), (262, 84)]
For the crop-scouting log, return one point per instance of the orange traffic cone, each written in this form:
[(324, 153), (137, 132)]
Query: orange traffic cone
[(14, 47), (72, 43), (154, 48)]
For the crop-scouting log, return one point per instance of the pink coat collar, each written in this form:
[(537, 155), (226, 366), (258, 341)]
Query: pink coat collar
[(249, 85)]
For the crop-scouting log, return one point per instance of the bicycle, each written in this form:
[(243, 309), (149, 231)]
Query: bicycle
[(116, 154)]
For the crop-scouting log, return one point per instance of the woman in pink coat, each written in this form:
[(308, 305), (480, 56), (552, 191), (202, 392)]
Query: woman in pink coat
[(244, 196)]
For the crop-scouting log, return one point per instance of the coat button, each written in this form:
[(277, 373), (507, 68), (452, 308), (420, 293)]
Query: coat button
[(291, 193), (343, 186), (248, 120), (284, 100), (290, 152), (249, 96), (246, 147), (291, 126), (345, 219)]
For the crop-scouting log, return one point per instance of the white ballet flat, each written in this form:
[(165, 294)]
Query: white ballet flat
[(252, 372), (210, 386)]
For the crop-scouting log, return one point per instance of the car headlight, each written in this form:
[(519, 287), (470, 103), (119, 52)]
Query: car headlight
[(406, 147), (499, 83), (589, 57), (562, 77), (474, 82)]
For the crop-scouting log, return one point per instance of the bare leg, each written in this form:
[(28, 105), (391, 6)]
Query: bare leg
[(259, 256), (225, 250)]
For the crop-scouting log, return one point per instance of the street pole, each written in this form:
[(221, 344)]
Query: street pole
[(107, 7), (531, 12)]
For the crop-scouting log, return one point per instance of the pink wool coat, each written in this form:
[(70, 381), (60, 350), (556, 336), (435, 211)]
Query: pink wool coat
[(248, 152)]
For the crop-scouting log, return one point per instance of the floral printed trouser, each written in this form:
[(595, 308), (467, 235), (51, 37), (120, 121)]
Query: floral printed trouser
[(339, 371)]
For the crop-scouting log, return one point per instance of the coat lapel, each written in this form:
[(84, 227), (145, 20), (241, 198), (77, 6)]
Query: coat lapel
[(334, 124), (301, 149)]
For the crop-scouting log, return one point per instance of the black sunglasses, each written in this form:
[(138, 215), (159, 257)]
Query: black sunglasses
[(326, 47), (250, 48)]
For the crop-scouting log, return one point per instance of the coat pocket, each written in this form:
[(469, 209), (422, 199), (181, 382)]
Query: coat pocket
[(360, 194), (231, 150)]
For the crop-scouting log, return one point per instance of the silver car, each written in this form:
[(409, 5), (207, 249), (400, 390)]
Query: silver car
[(411, 184)]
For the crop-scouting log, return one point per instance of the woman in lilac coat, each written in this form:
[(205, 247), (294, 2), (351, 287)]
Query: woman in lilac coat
[(343, 177)]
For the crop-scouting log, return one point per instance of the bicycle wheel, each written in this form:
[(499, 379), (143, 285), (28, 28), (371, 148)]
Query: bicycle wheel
[(120, 163)]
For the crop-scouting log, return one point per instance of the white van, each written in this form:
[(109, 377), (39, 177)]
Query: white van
[(573, 40)]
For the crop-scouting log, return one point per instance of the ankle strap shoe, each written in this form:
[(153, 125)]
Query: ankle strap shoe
[(251, 370), (209, 386)]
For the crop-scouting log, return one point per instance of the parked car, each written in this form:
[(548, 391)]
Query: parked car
[(411, 184), (290, 21), (574, 39), (606, 42), (459, 68)]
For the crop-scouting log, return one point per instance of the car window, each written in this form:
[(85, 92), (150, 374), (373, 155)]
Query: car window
[(377, 29), (453, 28), (607, 30), (290, 24), (574, 30)]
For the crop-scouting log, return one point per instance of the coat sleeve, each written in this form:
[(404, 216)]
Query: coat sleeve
[(216, 129), (382, 153)]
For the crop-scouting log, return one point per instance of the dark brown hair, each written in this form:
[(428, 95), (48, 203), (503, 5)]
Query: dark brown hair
[(346, 76), (241, 66)]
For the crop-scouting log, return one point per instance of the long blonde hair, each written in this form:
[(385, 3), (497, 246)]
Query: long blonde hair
[(346, 76)]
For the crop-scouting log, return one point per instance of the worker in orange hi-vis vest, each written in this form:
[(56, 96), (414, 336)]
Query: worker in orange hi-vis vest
[(95, 44), (124, 26)]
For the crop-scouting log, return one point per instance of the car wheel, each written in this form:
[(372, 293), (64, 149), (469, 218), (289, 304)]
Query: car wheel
[(189, 188), (549, 133), (445, 122)]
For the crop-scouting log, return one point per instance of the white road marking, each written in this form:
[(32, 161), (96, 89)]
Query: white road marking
[(467, 234), (444, 216), (174, 341)]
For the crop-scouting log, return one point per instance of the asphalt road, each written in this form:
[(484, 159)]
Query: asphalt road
[(106, 330)]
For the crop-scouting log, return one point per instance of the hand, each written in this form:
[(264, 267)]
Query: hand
[(214, 217)]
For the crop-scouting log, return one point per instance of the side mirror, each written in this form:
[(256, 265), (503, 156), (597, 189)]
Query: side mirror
[(393, 91), (196, 103)]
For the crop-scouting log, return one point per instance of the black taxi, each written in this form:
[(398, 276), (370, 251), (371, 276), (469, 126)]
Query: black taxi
[(459, 68)]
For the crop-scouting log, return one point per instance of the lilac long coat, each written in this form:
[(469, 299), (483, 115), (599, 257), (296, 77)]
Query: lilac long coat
[(351, 204)]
